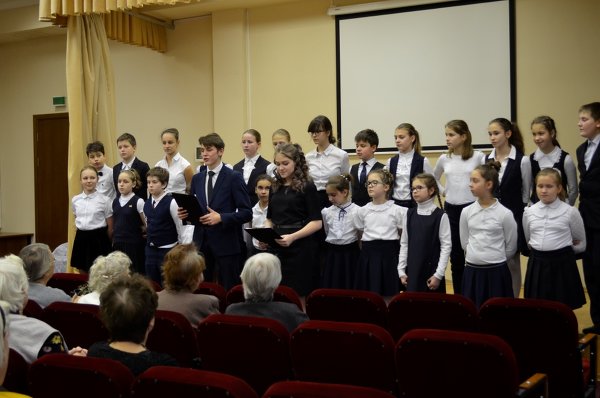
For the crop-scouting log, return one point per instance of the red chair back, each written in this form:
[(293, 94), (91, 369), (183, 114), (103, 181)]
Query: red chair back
[(252, 348), (344, 353), (165, 381), (68, 282), (544, 337), (214, 289), (422, 310), (174, 335), (305, 389), (68, 376), (33, 310), (444, 363), (347, 306), (79, 324), (16, 374)]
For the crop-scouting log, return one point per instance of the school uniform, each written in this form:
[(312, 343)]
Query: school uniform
[(251, 169), (588, 162), (359, 173), (457, 197), (176, 170), (425, 246), (489, 237), (91, 238), (105, 184), (128, 227), (342, 250), (163, 232), (561, 161), (377, 266), (289, 211), (141, 167), (405, 167), (552, 271), (322, 165), (513, 193)]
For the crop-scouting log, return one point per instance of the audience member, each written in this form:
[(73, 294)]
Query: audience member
[(105, 270), (39, 266)]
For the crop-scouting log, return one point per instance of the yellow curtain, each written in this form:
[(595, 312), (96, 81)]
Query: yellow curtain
[(131, 30), (52, 8), (90, 89)]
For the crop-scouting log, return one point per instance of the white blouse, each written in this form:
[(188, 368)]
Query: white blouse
[(458, 176), (259, 219), (402, 177), (548, 160), (91, 211), (322, 165), (380, 222), (489, 235), (553, 226), (106, 185), (425, 209), (177, 181), (338, 223)]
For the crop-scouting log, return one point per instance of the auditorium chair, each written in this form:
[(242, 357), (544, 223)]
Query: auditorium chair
[(173, 334), (283, 293), (79, 324), (347, 306), (68, 282), (306, 389)]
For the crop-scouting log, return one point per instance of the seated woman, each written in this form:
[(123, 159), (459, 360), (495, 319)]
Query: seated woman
[(127, 308), (39, 265), (4, 350), (30, 337), (260, 277), (182, 273), (104, 270)]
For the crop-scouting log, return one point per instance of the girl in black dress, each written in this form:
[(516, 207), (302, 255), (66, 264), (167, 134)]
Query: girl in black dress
[(295, 214)]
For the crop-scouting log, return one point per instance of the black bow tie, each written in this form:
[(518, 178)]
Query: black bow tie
[(100, 173)]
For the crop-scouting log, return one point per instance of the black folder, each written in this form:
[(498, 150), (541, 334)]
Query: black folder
[(190, 204), (266, 235)]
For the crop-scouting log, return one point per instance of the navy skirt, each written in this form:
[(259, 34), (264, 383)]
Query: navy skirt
[(341, 263), (89, 245), (553, 275), (378, 267), (481, 282)]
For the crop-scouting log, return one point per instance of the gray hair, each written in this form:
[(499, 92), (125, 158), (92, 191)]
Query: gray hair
[(261, 276), (107, 269), (5, 308), (13, 282), (37, 259)]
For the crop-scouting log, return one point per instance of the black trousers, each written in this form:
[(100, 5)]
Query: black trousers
[(457, 255), (591, 272), (224, 270)]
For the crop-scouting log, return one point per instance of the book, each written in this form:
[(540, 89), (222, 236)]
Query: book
[(191, 205), (265, 235)]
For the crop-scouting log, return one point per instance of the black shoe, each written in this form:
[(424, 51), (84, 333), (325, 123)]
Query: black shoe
[(591, 329)]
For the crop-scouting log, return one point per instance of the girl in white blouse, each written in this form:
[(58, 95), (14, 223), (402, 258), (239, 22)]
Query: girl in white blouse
[(180, 170), (342, 250), (457, 166), (488, 234), (555, 232), (381, 223)]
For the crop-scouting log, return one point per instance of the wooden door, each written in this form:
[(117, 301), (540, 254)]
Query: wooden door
[(50, 154)]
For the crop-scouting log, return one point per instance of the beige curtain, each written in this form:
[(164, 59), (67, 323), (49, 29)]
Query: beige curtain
[(52, 8), (90, 90), (131, 30)]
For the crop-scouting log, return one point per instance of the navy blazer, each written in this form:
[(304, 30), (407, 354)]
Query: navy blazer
[(142, 168), (230, 199), (589, 188), (360, 196), (260, 167)]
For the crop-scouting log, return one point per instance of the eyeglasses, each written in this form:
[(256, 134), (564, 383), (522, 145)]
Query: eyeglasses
[(315, 132), (417, 188), (372, 183)]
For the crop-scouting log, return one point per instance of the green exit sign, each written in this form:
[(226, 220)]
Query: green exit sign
[(59, 101)]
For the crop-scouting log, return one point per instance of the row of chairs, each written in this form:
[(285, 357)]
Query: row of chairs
[(72, 377)]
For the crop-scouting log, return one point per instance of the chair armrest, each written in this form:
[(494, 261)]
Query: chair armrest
[(534, 386), (587, 340), (590, 341)]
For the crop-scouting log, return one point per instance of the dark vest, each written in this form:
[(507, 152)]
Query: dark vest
[(260, 167), (535, 169), (416, 167), (589, 188), (508, 192), (127, 221), (423, 248), (160, 229)]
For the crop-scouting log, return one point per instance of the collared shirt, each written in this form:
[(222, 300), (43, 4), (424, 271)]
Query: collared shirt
[(380, 221), (216, 170), (173, 210), (128, 166), (91, 211), (458, 176), (553, 226), (402, 177), (250, 164), (425, 209), (106, 185), (591, 149), (259, 219), (525, 171), (548, 160), (488, 234), (124, 199), (338, 223), (177, 181), (322, 165)]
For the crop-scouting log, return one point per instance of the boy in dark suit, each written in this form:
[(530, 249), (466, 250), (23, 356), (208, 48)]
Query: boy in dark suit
[(588, 162), (225, 204), (126, 145), (366, 145)]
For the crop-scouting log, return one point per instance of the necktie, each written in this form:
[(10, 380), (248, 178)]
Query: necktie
[(343, 212), (154, 203), (209, 187), (363, 174)]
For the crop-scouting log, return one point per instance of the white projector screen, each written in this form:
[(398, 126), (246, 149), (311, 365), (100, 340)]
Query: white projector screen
[(425, 65)]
